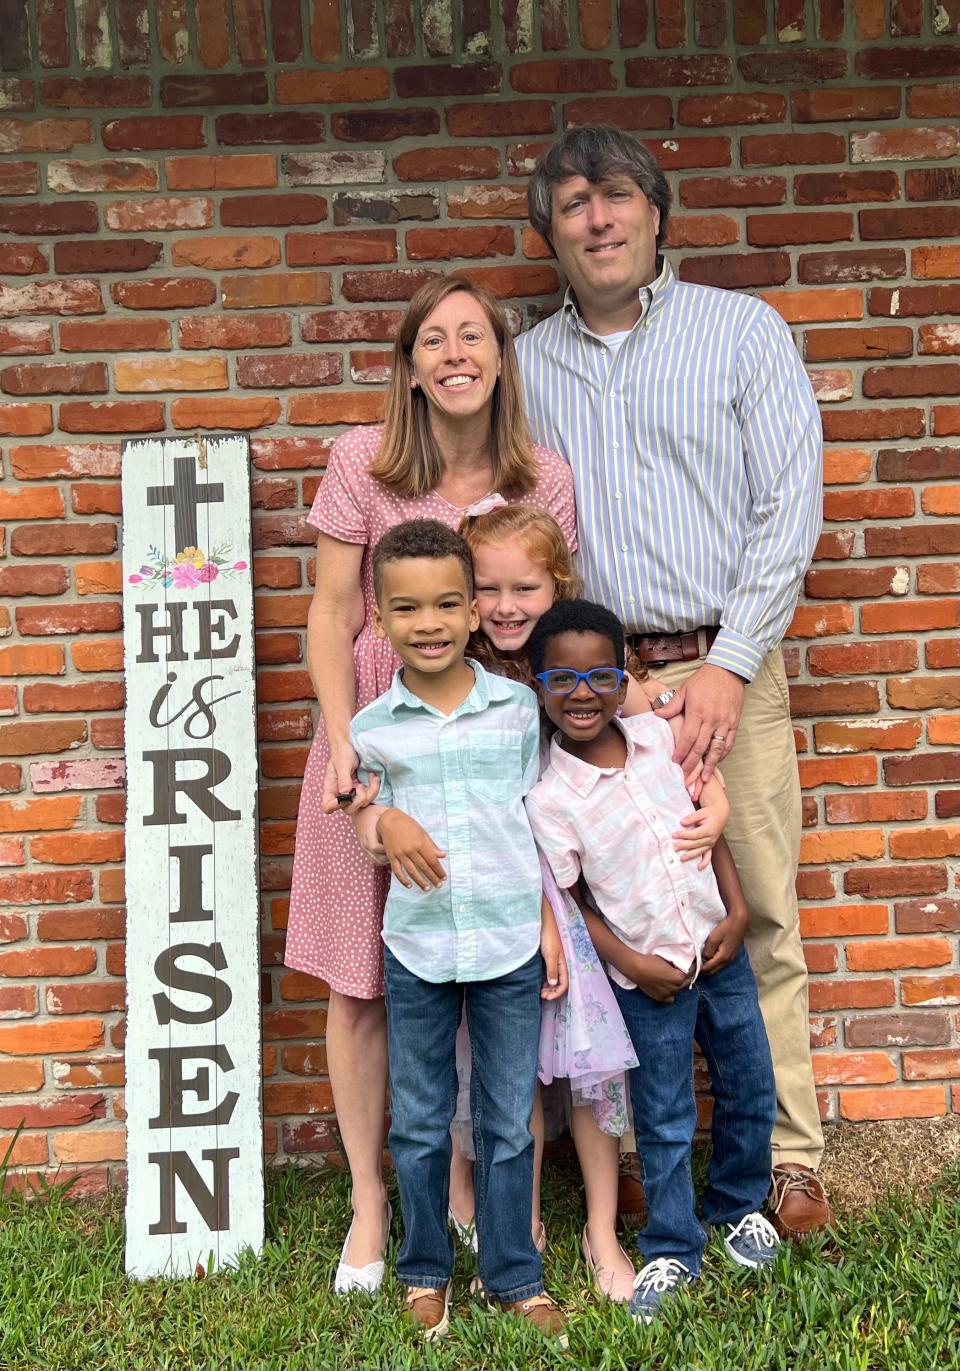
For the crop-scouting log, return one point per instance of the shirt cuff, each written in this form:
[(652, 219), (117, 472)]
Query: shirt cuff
[(736, 653)]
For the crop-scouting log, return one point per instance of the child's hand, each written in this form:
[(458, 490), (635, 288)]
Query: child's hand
[(557, 980), (723, 944), (365, 824), (702, 829), (658, 978), (413, 855)]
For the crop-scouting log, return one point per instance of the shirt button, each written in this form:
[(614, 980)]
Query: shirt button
[(623, 548), (618, 495)]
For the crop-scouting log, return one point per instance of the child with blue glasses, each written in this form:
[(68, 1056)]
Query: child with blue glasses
[(672, 936)]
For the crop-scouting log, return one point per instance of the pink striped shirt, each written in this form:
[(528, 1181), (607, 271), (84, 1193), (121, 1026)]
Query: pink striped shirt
[(614, 824)]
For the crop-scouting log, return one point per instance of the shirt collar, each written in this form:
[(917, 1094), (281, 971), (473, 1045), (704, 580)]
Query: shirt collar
[(486, 687), (582, 776), (652, 299)]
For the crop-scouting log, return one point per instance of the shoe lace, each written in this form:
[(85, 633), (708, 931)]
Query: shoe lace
[(543, 1301), (660, 1275), (755, 1227), (417, 1292), (786, 1182)]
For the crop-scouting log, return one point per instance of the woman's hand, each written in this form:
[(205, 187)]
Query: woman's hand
[(557, 980), (413, 855), (340, 778)]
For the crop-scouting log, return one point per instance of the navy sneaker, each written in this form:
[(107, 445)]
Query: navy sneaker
[(751, 1242), (658, 1280)]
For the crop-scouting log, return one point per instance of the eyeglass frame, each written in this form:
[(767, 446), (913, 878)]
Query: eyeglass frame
[(541, 676)]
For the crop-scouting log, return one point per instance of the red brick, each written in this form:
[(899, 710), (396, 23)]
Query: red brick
[(772, 230), (332, 248), (817, 771), (70, 1035), (819, 621), (24, 339), (264, 330), (306, 87), (19, 178), (845, 187), (239, 171), (823, 848), (902, 952), (107, 255), (908, 617), (913, 843), (927, 916), (791, 149), (22, 259), (926, 221), (52, 378), (708, 111), (70, 175), (244, 88), (149, 132), (44, 135), (159, 212), (884, 882), (95, 92), (112, 416), (930, 990), (939, 579), (35, 580), (941, 652), (436, 165), (844, 505), (18, 1077), (859, 425), (876, 735), (832, 344), (508, 282), (683, 153), (932, 1065), (555, 75), (893, 1103), (934, 102), (114, 335), (700, 192), (500, 119), (659, 73), (289, 369), (283, 127), (837, 268), (17, 1002), (444, 244), (274, 289), (224, 413), (933, 183), (47, 961), (170, 373), (30, 659), (383, 126), (945, 420), (875, 993), (805, 64), (70, 619), (167, 292), (854, 1068), (401, 284), (897, 382), (915, 541), (829, 104), (625, 111), (914, 300), (862, 658), (702, 230), (736, 271), (843, 921), (836, 697), (939, 339), (856, 582)]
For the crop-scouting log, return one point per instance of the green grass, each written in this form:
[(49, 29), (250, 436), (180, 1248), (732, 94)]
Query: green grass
[(885, 1296)]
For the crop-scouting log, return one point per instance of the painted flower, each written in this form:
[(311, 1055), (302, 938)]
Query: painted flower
[(185, 575), (208, 572), (239, 566), (134, 580), (191, 554)]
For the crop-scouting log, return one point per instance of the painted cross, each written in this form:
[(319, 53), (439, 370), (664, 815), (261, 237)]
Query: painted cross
[(194, 1121), (185, 496)]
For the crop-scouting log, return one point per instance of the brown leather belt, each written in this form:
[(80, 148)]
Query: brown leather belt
[(672, 647)]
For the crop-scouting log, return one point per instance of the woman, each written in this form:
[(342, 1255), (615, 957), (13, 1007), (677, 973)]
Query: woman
[(455, 433)]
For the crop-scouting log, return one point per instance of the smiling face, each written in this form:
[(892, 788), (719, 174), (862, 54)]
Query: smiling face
[(512, 592), (605, 237), (583, 715), (424, 608), (456, 357)]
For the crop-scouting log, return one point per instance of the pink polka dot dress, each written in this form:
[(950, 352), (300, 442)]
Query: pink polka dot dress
[(337, 899)]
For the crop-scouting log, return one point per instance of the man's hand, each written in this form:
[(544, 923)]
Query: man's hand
[(711, 701), (556, 978), (723, 944), (658, 978), (413, 855)]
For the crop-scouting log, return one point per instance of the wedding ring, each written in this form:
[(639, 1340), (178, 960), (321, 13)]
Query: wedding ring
[(719, 737)]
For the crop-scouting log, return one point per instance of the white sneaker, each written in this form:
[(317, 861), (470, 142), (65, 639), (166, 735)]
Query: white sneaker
[(368, 1278), (466, 1232)]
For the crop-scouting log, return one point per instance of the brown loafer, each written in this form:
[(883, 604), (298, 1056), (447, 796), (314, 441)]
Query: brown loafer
[(540, 1310), (428, 1310), (631, 1201), (797, 1204)]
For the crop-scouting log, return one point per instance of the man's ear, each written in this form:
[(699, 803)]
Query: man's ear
[(655, 216)]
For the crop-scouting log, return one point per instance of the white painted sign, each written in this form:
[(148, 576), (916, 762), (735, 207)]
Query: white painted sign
[(194, 1117)]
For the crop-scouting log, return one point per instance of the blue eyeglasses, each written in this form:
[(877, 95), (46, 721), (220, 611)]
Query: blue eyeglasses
[(602, 680)]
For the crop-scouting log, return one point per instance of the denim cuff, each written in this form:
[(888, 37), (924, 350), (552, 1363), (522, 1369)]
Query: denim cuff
[(426, 1282), (523, 1292)]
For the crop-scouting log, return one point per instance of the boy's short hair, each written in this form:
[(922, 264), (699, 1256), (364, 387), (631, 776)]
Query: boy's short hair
[(421, 538), (575, 616)]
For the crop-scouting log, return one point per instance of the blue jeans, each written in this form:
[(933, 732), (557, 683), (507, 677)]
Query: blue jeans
[(721, 1012), (422, 1021)]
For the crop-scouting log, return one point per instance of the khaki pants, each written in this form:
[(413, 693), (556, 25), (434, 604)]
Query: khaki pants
[(763, 789)]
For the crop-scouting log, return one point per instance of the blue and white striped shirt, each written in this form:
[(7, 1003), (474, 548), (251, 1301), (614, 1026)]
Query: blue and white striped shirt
[(462, 776), (697, 455)]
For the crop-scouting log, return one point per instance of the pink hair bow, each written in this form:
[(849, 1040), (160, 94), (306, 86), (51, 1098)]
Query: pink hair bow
[(489, 502)]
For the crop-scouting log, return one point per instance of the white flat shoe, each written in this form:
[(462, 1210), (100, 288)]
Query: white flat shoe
[(368, 1278), (466, 1232)]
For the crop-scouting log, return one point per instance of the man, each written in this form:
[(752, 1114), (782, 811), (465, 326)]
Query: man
[(696, 447)]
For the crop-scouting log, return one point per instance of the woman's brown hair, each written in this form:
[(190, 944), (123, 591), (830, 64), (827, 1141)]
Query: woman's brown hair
[(409, 460)]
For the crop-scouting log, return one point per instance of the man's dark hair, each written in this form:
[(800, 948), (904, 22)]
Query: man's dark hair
[(421, 538), (575, 616), (597, 152)]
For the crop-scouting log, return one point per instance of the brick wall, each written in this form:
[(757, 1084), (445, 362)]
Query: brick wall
[(212, 215)]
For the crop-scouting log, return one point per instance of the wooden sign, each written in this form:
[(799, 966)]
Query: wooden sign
[(194, 1118)]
